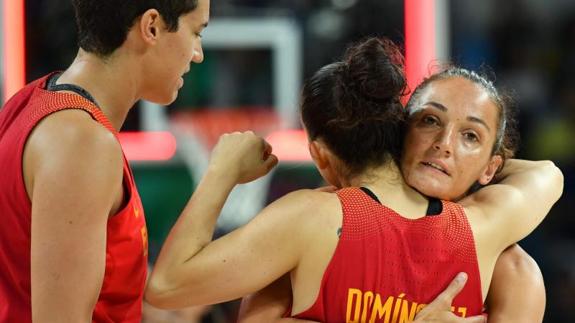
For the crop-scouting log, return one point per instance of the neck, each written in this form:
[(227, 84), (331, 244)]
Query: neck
[(111, 81), (388, 184), (388, 173)]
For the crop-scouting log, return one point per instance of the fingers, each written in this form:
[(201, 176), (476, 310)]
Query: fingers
[(443, 301), (270, 162), (244, 156), (453, 289), (440, 309), (267, 149)]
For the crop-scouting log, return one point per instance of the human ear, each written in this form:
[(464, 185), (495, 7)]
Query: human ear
[(490, 170), (149, 25), (318, 154)]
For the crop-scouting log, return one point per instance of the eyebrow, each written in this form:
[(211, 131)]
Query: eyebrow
[(442, 108), (480, 121), (436, 105)]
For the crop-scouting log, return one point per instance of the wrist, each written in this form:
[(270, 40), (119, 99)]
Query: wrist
[(223, 177)]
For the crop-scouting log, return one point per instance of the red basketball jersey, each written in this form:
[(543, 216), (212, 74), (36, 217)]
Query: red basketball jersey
[(386, 267), (120, 299)]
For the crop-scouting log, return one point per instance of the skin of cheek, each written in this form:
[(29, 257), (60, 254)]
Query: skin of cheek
[(466, 170)]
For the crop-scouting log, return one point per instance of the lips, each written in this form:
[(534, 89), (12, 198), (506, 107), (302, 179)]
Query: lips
[(436, 165)]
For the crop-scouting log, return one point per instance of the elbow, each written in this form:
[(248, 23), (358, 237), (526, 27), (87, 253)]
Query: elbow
[(170, 292), (555, 175), (156, 293), (160, 293)]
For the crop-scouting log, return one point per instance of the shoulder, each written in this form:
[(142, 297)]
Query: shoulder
[(307, 197), (303, 202), (303, 208), (75, 125), (517, 263), (71, 140), (73, 130)]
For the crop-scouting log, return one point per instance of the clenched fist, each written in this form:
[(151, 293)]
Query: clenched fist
[(243, 156)]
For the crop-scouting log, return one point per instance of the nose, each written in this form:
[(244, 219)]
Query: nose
[(198, 55), (444, 141)]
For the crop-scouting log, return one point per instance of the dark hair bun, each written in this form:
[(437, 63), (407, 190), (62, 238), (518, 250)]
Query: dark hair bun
[(370, 83), (354, 104), (375, 68)]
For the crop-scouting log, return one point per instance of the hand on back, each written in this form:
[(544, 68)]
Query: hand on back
[(440, 309)]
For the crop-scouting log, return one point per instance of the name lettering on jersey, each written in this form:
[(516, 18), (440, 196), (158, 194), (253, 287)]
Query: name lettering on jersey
[(367, 306)]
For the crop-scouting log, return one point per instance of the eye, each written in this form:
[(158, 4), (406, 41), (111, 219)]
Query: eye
[(430, 120), (471, 137)]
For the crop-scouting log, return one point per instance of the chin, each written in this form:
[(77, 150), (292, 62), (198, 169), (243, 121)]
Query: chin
[(162, 90), (432, 190), (163, 99)]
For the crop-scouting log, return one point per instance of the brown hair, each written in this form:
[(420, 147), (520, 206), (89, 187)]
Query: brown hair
[(354, 105)]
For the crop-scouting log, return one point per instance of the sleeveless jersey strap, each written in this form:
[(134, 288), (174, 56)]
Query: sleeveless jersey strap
[(52, 86), (61, 101)]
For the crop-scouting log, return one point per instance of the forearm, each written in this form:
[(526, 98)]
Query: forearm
[(195, 226), (524, 172), (518, 203), (514, 167), (265, 313), (193, 270), (269, 305)]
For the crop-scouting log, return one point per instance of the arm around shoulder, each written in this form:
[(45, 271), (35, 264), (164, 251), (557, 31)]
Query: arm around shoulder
[(521, 199), (241, 262)]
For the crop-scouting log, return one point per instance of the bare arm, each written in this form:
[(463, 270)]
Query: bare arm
[(73, 175), (517, 292), (193, 270), (512, 208)]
